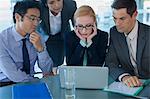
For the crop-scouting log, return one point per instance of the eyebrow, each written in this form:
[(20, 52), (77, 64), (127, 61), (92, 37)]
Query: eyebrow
[(35, 16), (119, 18)]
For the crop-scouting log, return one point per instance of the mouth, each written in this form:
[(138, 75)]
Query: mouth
[(57, 10)]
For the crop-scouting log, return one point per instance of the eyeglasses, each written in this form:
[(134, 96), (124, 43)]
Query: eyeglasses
[(87, 27), (34, 18)]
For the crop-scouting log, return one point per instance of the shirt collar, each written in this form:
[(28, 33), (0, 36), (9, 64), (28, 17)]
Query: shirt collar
[(58, 15), (134, 32), (17, 35)]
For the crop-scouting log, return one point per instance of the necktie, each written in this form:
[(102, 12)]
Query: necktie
[(26, 61), (85, 58), (132, 55)]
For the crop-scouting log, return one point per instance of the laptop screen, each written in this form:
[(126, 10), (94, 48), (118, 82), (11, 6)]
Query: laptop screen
[(90, 77)]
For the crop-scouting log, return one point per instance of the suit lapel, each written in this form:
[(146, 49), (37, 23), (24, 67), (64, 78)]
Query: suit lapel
[(46, 20), (140, 44), (64, 18), (124, 47)]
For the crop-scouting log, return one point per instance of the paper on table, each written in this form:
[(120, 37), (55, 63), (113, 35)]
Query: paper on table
[(120, 87)]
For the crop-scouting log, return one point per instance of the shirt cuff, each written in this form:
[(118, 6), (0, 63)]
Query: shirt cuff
[(122, 75), (83, 43), (89, 44)]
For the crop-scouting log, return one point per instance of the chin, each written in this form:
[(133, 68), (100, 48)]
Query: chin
[(119, 30)]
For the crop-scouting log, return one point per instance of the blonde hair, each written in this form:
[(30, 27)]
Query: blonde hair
[(84, 11)]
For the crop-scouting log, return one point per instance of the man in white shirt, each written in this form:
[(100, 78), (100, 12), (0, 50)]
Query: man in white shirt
[(128, 56)]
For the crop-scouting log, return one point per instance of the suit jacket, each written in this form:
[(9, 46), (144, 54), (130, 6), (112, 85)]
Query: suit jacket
[(95, 53), (118, 59), (55, 43)]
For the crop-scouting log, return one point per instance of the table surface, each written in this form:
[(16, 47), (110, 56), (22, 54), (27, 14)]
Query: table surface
[(53, 83)]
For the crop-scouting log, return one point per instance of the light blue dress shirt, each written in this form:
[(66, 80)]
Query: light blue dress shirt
[(11, 59)]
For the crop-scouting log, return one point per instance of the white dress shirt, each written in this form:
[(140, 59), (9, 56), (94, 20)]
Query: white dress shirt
[(132, 42), (55, 23)]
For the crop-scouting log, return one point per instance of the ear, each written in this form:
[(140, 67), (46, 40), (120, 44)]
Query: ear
[(135, 13), (18, 17)]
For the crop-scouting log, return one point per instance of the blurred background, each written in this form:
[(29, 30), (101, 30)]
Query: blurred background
[(101, 7)]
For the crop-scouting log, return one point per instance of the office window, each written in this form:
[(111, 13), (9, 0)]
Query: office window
[(104, 14), (101, 7)]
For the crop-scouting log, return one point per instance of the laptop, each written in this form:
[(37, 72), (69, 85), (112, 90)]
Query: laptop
[(87, 77)]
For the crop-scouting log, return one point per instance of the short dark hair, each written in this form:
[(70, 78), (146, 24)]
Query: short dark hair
[(21, 7), (130, 5)]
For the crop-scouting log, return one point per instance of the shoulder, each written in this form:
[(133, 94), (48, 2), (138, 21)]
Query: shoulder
[(144, 26), (102, 33), (70, 5), (114, 31), (7, 32), (6, 35), (70, 34)]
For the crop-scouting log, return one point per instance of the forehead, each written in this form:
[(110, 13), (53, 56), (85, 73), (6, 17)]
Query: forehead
[(117, 13), (33, 11), (84, 20)]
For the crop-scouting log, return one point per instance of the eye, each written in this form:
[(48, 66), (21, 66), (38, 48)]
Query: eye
[(89, 25), (52, 2), (80, 26), (123, 18), (32, 18)]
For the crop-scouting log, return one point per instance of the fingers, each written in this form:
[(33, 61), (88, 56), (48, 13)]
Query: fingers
[(34, 37), (78, 34), (36, 41), (92, 34), (132, 81)]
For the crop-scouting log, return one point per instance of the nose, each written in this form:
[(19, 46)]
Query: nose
[(84, 31), (57, 5), (36, 22), (117, 22)]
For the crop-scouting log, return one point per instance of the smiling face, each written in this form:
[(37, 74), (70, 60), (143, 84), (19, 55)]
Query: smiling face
[(55, 6), (85, 24), (29, 22), (123, 21)]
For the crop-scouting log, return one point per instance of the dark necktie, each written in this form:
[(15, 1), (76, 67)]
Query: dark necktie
[(26, 61), (85, 58), (132, 55)]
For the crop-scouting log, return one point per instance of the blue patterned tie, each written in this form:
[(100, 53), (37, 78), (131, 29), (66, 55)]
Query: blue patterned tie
[(26, 61)]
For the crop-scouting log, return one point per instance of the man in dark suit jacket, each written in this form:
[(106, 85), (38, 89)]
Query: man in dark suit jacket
[(86, 45), (128, 57), (55, 42)]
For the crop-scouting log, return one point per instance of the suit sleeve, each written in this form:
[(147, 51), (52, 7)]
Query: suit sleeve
[(112, 61)]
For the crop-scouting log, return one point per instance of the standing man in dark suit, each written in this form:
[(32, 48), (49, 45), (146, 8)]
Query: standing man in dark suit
[(128, 56), (86, 45), (55, 23)]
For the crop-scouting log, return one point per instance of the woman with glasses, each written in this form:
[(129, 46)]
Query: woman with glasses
[(86, 45)]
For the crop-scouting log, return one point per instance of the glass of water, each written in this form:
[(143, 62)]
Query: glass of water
[(69, 83)]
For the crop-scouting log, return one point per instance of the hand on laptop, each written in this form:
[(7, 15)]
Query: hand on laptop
[(131, 81)]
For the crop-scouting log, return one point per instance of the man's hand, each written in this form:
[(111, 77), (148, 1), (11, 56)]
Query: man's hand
[(131, 81), (36, 41), (48, 74), (89, 38)]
